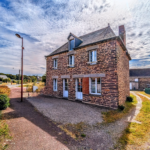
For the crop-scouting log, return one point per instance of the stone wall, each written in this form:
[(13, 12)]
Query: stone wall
[(144, 83), (106, 63), (123, 74)]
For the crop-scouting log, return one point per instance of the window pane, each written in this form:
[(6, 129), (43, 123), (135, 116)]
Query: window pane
[(93, 85), (98, 85), (71, 44), (70, 60)]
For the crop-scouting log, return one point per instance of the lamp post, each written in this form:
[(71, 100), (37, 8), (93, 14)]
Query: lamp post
[(21, 68)]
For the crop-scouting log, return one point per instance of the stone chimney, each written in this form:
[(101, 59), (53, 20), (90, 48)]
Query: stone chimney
[(122, 34)]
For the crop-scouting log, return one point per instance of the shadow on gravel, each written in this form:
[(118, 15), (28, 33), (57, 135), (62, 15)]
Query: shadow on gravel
[(26, 110)]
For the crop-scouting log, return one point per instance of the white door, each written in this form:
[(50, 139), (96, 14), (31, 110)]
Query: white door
[(79, 94), (65, 87)]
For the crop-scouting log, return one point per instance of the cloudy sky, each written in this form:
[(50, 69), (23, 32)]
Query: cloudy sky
[(45, 25)]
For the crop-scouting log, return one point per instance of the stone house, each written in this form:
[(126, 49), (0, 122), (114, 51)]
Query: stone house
[(93, 68), (139, 78)]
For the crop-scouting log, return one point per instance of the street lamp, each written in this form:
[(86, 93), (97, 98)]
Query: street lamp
[(21, 68)]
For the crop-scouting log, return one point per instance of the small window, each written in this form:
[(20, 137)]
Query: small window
[(95, 86), (72, 44), (93, 56), (55, 63), (136, 80), (71, 60), (54, 84)]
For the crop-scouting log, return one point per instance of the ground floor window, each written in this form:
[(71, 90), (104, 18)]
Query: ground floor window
[(95, 86), (54, 84)]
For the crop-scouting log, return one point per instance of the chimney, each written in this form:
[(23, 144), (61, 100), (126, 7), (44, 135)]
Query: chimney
[(122, 34)]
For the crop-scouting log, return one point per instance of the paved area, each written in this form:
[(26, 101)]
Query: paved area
[(64, 111), (30, 130)]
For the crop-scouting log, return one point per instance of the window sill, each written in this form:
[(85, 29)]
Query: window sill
[(92, 94), (92, 63), (70, 66), (54, 68), (54, 91)]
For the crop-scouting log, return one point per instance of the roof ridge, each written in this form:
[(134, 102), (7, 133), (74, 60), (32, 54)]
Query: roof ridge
[(92, 32)]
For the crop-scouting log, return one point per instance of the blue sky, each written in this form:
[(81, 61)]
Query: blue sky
[(46, 24)]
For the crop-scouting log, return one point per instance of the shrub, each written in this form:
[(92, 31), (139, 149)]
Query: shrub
[(83, 135), (147, 90), (4, 101), (121, 107), (4, 90), (129, 99)]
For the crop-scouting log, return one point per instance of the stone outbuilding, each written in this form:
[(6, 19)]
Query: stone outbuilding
[(93, 68), (139, 78)]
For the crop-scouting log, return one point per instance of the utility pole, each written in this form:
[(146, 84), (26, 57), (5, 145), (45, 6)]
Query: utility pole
[(21, 67)]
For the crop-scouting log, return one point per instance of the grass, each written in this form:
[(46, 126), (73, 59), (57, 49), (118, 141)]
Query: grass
[(142, 92), (75, 130), (114, 115), (4, 90), (4, 133), (135, 134)]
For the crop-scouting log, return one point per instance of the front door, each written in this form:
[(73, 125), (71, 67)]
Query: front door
[(79, 94), (65, 87)]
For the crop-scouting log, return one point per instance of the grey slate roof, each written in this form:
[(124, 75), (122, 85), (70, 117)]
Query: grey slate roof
[(140, 72), (3, 76), (89, 38)]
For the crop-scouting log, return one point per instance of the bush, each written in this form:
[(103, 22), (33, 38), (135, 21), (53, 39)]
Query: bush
[(129, 99), (4, 101), (147, 90), (121, 107)]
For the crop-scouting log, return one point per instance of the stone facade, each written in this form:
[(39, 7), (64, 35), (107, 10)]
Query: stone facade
[(123, 74), (112, 65)]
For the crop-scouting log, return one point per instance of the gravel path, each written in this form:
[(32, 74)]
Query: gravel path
[(99, 137), (64, 111)]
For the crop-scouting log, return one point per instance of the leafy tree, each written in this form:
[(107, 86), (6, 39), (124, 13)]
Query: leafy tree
[(1, 79), (44, 78)]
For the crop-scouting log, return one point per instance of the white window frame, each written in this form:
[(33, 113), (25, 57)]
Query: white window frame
[(54, 84), (90, 83), (55, 62), (94, 59), (72, 62)]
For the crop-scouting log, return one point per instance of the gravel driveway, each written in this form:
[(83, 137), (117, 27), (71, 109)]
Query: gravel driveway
[(64, 111)]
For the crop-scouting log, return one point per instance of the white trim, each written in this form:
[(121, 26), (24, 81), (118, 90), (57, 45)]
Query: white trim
[(90, 83)]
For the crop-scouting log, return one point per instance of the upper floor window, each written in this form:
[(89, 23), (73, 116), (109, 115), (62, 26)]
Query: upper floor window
[(93, 56), (54, 84), (71, 60), (55, 63), (95, 86), (72, 44)]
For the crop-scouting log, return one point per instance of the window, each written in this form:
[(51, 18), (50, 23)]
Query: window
[(72, 44), (95, 86), (71, 60), (54, 84), (55, 63), (93, 56)]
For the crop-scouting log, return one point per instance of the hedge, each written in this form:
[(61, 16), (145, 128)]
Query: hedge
[(147, 90)]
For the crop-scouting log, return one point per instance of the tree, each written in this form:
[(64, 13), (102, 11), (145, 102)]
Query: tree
[(1, 79), (44, 78), (6, 80)]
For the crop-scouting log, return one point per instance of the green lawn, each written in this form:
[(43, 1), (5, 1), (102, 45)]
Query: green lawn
[(113, 115)]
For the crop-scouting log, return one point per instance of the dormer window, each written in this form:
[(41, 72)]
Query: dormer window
[(72, 44)]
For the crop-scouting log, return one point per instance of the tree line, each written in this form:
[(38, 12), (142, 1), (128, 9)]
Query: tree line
[(26, 78)]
